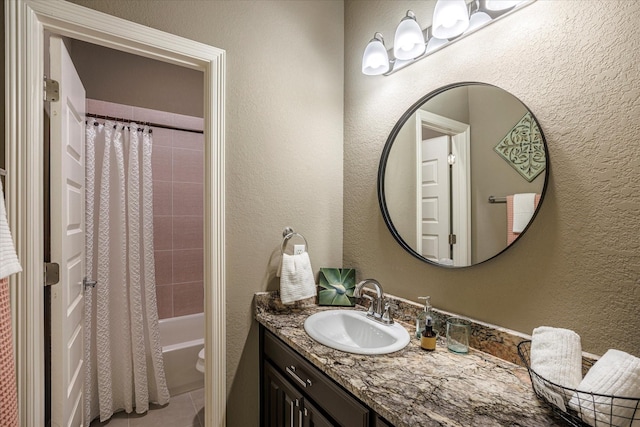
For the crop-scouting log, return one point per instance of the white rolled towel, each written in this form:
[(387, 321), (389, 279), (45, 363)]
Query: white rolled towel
[(524, 205), (616, 373), (556, 355), (296, 278)]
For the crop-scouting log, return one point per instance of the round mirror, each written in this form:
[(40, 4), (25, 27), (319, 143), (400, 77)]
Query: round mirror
[(463, 174)]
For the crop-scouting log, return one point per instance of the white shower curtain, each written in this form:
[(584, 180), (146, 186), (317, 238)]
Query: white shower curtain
[(123, 357)]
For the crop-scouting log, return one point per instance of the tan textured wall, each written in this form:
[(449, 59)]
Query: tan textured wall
[(575, 65), (141, 82), (401, 173), (283, 144), (493, 114)]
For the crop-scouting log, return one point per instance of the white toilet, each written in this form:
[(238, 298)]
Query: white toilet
[(200, 362)]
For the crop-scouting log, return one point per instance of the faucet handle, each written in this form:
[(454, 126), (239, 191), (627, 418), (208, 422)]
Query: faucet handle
[(371, 303), (386, 315)]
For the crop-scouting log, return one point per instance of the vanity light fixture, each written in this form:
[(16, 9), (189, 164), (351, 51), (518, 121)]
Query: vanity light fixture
[(435, 44), (452, 21), (477, 18), (375, 60), (409, 41)]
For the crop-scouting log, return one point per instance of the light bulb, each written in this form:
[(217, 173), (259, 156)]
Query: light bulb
[(409, 41), (375, 60), (450, 18)]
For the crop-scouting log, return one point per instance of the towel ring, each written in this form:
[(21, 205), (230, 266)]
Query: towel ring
[(287, 234)]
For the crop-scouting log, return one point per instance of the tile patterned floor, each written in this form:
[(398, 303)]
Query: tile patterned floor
[(183, 410)]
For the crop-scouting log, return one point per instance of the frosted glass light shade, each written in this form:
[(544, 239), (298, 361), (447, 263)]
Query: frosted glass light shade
[(450, 18), (501, 4), (409, 40), (477, 19), (375, 60), (435, 43)]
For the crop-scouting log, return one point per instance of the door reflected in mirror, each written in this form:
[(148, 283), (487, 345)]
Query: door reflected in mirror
[(462, 174)]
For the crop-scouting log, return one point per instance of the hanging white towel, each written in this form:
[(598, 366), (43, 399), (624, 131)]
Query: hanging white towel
[(524, 205), (616, 373), (556, 355), (296, 278), (8, 259)]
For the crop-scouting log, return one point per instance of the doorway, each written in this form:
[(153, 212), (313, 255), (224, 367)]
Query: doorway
[(25, 24), (456, 152), (160, 96)]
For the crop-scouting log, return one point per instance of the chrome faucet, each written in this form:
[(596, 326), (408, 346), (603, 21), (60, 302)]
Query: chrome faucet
[(379, 309)]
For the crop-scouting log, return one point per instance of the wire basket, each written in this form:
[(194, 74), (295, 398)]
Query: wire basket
[(578, 408)]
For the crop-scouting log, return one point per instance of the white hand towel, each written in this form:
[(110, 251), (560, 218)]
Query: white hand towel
[(523, 207), (296, 278), (616, 373), (8, 259), (556, 355)]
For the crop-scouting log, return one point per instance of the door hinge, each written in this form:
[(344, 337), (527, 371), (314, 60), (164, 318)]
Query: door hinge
[(452, 239), (451, 159), (51, 90), (51, 273)]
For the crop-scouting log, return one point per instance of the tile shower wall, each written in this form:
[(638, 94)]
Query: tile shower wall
[(178, 179)]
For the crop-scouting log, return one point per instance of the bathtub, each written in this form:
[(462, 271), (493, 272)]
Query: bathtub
[(181, 339)]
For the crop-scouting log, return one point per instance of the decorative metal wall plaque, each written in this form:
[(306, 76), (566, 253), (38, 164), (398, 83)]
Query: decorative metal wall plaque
[(523, 149)]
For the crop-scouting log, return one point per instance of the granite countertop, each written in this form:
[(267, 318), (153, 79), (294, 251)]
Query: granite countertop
[(413, 387)]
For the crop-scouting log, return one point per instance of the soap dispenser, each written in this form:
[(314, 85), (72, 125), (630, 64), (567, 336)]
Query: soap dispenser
[(422, 316), (429, 337)]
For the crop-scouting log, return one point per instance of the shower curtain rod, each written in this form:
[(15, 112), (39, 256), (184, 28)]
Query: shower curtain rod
[(155, 125)]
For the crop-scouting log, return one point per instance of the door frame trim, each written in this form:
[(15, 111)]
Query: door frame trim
[(25, 24), (461, 181)]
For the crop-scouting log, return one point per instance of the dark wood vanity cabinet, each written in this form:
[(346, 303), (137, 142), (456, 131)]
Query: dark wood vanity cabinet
[(313, 417), (381, 422), (295, 393), (283, 405)]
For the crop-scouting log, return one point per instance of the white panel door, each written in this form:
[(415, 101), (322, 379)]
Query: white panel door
[(433, 198), (67, 240)]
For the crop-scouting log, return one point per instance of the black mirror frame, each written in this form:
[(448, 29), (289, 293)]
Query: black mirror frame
[(385, 156)]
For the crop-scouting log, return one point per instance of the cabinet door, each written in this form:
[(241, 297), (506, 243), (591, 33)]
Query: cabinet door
[(282, 402), (380, 422), (312, 417), (342, 408)]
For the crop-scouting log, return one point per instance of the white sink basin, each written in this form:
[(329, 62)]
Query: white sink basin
[(353, 332)]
